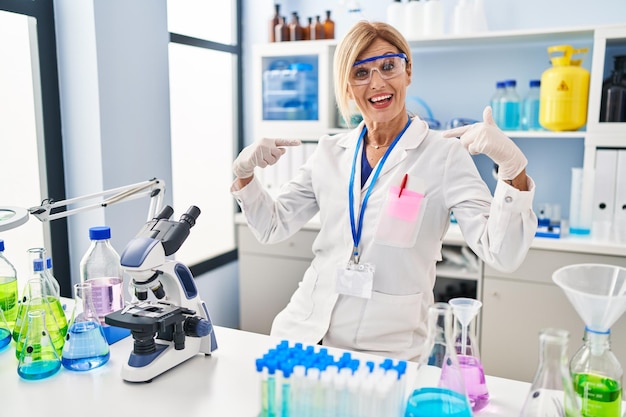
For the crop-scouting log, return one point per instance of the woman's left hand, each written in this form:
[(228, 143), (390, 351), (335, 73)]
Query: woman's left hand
[(487, 138)]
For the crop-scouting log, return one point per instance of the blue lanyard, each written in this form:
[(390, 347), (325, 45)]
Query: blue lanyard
[(356, 230)]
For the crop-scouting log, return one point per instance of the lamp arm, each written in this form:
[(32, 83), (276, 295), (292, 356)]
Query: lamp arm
[(154, 188)]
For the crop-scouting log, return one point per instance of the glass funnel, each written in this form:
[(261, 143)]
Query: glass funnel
[(38, 358), (598, 293), (440, 388), (85, 345), (466, 344)]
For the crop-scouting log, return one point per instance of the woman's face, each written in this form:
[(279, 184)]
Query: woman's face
[(380, 100)]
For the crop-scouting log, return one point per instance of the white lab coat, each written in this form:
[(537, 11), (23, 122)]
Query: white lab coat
[(392, 322)]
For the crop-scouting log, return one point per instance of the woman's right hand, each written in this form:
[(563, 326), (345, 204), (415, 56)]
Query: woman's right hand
[(261, 153)]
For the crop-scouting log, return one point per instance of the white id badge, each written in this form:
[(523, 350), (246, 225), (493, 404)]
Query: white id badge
[(355, 280)]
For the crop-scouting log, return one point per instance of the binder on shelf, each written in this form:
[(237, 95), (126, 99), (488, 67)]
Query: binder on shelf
[(619, 211), (604, 193)]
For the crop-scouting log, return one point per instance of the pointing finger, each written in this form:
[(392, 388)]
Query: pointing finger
[(456, 132), (287, 142), (488, 116)]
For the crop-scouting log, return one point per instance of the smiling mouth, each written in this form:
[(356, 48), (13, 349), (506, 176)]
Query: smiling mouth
[(380, 99)]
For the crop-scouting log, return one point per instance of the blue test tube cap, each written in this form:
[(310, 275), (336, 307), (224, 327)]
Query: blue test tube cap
[(260, 364), (370, 365), (386, 364)]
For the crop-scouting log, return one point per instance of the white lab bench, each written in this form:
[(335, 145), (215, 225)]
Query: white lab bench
[(220, 385)]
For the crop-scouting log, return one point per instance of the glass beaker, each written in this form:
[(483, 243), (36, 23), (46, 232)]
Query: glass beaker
[(37, 296), (5, 331), (597, 376), (466, 344), (85, 345), (552, 392), (38, 357), (440, 386)]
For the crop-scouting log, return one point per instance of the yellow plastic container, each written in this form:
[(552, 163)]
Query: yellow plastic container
[(564, 91)]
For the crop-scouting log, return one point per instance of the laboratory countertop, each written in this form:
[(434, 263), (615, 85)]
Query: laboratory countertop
[(224, 384), (571, 243)]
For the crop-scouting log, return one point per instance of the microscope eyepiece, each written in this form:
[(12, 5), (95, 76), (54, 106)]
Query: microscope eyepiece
[(190, 216), (165, 213)]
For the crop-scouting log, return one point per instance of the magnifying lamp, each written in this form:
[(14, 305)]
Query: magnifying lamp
[(12, 217)]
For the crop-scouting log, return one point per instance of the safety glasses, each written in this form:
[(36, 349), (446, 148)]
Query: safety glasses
[(388, 66)]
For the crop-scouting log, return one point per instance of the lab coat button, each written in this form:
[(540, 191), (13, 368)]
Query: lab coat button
[(508, 199)]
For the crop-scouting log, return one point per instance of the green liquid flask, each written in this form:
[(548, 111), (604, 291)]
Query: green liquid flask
[(38, 359), (8, 289), (597, 376), (39, 295), (551, 393), (85, 346)]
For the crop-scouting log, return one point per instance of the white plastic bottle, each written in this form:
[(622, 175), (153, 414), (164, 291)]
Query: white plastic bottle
[(414, 19), (395, 15), (100, 266), (463, 18), (433, 18)]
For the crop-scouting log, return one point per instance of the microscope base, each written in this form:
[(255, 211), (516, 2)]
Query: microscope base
[(163, 360)]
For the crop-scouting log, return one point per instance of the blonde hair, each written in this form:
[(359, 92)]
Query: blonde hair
[(358, 39)]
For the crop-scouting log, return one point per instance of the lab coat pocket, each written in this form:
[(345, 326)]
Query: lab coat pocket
[(301, 304), (388, 322), (400, 221)]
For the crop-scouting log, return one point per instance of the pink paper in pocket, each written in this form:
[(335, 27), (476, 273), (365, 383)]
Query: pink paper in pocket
[(405, 207)]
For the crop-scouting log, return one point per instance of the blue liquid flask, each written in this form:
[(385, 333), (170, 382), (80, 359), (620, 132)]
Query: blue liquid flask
[(85, 345), (496, 102), (439, 394), (38, 358)]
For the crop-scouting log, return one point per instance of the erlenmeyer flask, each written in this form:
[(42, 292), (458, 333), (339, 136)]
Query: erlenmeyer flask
[(552, 392), (465, 311), (5, 331), (85, 345), (38, 358), (37, 294), (41, 253), (597, 376), (440, 387)]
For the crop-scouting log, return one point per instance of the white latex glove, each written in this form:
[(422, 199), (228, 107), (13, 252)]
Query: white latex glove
[(488, 139), (261, 153)]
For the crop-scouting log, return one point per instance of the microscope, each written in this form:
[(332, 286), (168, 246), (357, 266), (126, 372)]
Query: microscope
[(168, 321)]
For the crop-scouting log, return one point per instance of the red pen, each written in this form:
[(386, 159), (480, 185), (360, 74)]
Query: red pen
[(406, 176)]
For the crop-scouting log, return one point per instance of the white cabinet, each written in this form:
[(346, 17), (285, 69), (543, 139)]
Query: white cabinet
[(517, 305), (269, 275)]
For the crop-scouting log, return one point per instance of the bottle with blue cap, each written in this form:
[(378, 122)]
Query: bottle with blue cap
[(100, 267)]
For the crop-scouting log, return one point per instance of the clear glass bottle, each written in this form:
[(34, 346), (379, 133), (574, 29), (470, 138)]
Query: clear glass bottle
[(8, 289), (38, 358), (466, 343), (511, 106), (597, 376), (329, 26), (100, 265), (440, 388), (85, 345), (496, 103), (552, 392), (530, 108)]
